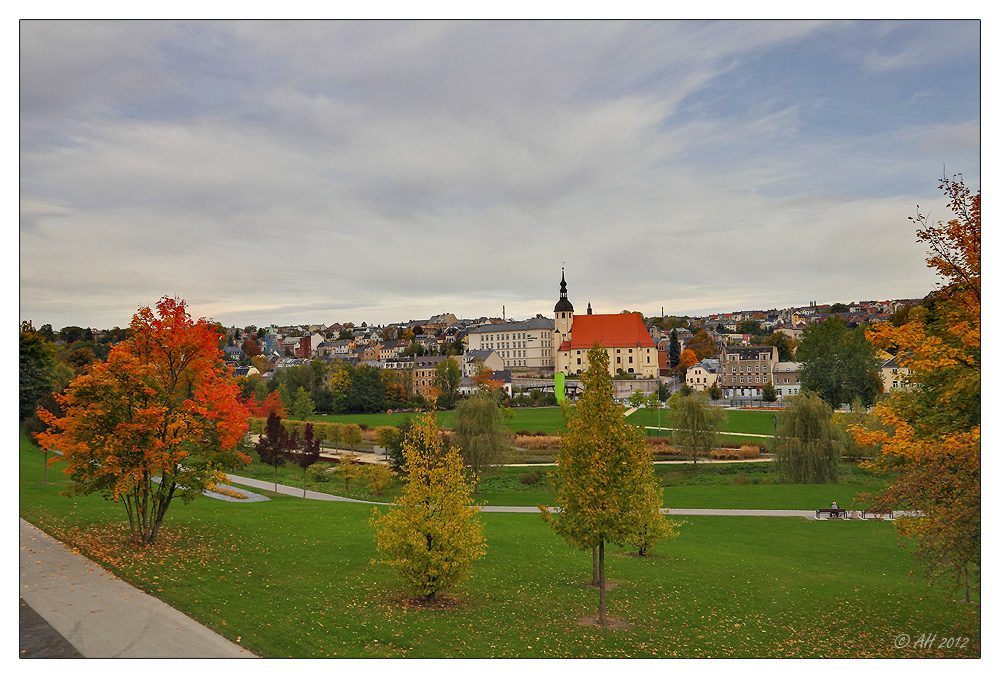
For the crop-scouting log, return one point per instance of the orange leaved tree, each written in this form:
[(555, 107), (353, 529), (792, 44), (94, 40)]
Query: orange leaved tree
[(928, 433), (160, 419)]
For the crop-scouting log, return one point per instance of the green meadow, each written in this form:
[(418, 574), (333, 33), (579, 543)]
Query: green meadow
[(295, 578), (549, 420)]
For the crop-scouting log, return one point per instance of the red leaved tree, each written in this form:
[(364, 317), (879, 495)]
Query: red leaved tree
[(306, 453), (160, 419)]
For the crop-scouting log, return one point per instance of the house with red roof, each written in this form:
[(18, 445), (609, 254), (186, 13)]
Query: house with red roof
[(624, 336)]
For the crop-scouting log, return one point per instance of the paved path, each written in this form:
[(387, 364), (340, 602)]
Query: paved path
[(98, 614), (295, 491)]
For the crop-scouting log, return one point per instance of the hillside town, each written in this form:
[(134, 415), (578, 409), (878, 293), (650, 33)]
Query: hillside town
[(731, 355)]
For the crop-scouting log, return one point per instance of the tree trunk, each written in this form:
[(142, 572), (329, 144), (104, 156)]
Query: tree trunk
[(303, 482), (602, 617), (595, 580)]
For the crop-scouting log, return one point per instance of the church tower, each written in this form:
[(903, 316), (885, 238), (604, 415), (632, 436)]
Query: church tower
[(563, 330)]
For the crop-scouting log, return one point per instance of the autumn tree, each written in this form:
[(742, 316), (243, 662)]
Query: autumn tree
[(159, 419), (432, 534), (649, 525), (270, 405), (481, 434), (696, 424), (603, 472), (251, 348), (838, 363), (785, 345), (702, 345), (274, 445), (379, 477), (349, 468), (688, 360), (807, 446), (483, 379), (929, 435), (306, 453)]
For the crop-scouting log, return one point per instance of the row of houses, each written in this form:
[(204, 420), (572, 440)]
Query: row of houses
[(744, 371)]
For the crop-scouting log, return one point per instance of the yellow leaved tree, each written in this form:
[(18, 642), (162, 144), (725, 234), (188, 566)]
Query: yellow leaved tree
[(432, 535), (605, 487)]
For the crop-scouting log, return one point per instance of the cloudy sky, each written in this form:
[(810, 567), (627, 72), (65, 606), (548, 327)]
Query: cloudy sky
[(325, 172)]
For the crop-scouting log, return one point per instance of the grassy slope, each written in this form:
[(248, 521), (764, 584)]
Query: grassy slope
[(292, 578)]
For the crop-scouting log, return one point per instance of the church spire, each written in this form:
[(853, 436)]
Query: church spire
[(563, 305)]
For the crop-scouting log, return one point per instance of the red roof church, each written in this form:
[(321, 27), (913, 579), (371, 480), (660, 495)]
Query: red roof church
[(623, 335)]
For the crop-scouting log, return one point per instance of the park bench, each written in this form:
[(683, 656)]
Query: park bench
[(875, 514), (831, 513)]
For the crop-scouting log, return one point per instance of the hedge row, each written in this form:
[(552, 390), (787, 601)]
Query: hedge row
[(328, 431)]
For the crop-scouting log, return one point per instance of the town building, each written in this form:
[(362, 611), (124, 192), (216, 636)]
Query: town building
[(786, 379), (700, 377), (423, 374), (894, 375), (489, 358), (744, 370), (523, 346)]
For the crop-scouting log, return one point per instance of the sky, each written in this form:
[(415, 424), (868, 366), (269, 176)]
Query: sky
[(322, 172)]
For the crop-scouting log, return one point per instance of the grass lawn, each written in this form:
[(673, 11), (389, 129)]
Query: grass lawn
[(549, 420), (293, 578)]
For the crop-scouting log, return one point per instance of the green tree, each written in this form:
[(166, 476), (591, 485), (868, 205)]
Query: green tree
[(432, 534), (37, 370), (769, 394), (302, 405), (714, 392), (447, 376), (674, 351), (807, 445), (391, 439), (696, 424), (481, 434), (367, 391), (838, 363), (603, 472), (352, 435)]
